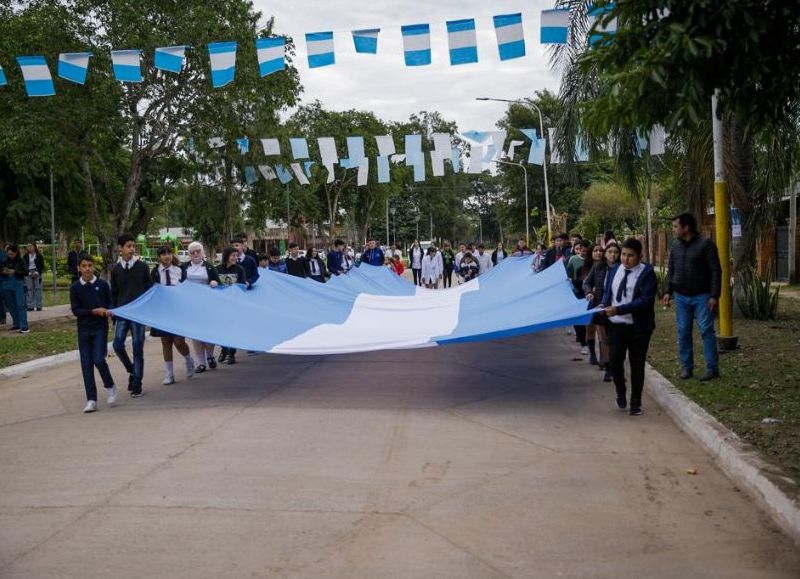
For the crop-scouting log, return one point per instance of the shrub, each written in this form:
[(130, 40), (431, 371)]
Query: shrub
[(754, 295)]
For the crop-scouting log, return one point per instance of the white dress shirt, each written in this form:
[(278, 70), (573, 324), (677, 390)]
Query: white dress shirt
[(628, 297), (484, 261), (431, 269)]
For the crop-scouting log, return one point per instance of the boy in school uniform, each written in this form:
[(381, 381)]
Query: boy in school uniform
[(629, 302), (90, 298)]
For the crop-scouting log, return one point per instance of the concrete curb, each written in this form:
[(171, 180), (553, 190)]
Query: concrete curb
[(742, 464), (49, 362)]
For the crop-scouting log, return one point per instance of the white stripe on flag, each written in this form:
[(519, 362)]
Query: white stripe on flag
[(36, 72), (223, 60), (507, 34), (271, 53), (557, 18), (462, 39), (126, 57), (416, 42)]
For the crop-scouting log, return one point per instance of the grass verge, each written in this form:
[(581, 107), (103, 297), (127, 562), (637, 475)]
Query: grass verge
[(760, 380), (47, 337)]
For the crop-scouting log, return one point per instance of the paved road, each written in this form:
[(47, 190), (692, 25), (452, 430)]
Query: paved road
[(495, 460)]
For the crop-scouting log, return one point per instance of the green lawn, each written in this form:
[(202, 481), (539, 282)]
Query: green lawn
[(46, 338), (760, 380)]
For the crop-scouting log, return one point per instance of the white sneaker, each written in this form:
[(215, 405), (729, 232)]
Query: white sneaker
[(584, 351), (169, 380), (111, 396), (91, 406)]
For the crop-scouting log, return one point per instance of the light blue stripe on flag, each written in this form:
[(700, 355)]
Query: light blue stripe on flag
[(366, 41), (510, 36), (169, 58), (299, 148), (355, 150), (3, 81), (462, 41), (284, 175), (554, 26), (222, 56), (250, 175), (307, 168), (127, 65), (36, 74), (73, 66), (271, 54), (455, 159), (417, 44), (383, 170), (244, 145), (320, 49)]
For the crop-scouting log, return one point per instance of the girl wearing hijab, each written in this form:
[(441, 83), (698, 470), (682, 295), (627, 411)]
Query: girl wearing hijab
[(199, 270), (168, 274)]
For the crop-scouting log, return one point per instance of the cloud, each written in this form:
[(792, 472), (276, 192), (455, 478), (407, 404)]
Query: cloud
[(383, 84)]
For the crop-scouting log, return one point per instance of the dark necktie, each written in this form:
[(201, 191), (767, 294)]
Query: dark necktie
[(166, 271), (622, 291)]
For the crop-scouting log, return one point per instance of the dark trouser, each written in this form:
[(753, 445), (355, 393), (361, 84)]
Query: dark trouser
[(230, 352), (93, 348), (447, 278), (135, 368), (14, 293), (580, 335), (417, 273), (624, 341), (2, 302)]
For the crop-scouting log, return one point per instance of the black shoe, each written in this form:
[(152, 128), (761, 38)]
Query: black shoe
[(593, 360), (212, 363), (607, 377), (685, 374), (38, 309), (30, 309), (200, 369), (130, 383), (222, 356), (636, 411), (231, 360), (13, 329), (622, 403), (137, 393), (708, 376)]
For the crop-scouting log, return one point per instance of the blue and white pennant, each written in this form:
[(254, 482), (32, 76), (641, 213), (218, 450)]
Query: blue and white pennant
[(73, 66), (271, 54), (36, 74), (320, 49), (417, 44), (554, 26), (462, 41), (127, 65), (222, 57), (170, 58), (366, 41), (510, 36)]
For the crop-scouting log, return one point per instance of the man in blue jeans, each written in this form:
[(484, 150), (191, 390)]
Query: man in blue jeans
[(130, 278), (13, 273), (2, 291), (694, 280)]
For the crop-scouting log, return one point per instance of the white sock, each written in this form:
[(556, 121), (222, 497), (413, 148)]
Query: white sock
[(170, 371), (189, 362)]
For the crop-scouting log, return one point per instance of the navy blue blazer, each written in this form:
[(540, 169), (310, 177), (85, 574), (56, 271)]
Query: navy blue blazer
[(643, 304), (335, 262)]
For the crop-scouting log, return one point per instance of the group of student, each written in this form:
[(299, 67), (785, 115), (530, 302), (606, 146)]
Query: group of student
[(20, 285)]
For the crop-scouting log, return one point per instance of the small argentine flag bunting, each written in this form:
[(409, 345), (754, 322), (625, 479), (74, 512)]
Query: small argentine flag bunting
[(602, 31), (366, 41), (72, 66), (320, 49), (417, 44), (127, 65), (554, 26), (462, 41), (38, 81), (510, 36), (3, 80), (244, 145), (223, 62), (169, 58), (271, 55)]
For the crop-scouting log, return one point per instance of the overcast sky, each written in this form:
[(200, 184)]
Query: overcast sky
[(383, 84)]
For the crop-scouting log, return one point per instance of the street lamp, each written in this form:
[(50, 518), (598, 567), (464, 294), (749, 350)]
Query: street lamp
[(544, 161)]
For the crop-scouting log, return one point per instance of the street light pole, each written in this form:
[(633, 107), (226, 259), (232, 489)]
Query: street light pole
[(544, 161), (53, 226)]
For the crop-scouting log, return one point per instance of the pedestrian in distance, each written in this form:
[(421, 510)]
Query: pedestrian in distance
[(168, 274), (130, 279), (397, 265), (415, 256), (557, 252), (521, 248), (2, 291), (276, 264), (90, 300), (462, 250), (469, 267), (13, 272), (337, 261), (373, 255), (296, 264), (34, 262), (431, 269), (499, 253), (609, 239), (263, 261), (629, 302), (316, 267), (484, 259), (448, 264), (73, 258), (537, 264), (199, 270), (231, 273), (248, 263), (694, 283)]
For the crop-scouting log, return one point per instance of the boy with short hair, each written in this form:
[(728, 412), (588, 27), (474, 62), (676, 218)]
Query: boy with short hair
[(130, 278), (90, 299), (629, 301)]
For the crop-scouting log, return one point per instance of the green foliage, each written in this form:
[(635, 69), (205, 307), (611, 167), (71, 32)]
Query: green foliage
[(606, 205), (754, 294)]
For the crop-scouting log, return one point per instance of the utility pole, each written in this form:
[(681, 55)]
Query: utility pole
[(793, 232), (53, 226), (722, 219)]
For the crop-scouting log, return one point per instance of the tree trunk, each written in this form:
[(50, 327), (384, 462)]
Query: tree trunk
[(102, 238), (227, 224)]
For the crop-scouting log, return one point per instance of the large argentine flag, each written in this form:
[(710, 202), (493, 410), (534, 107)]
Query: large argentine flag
[(222, 56), (73, 66), (510, 36), (320, 49), (370, 308), (417, 44), (38, 81), (554, 26), (169, 58), (127, 65), (366, 41), (462, 41), (271, 54)]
